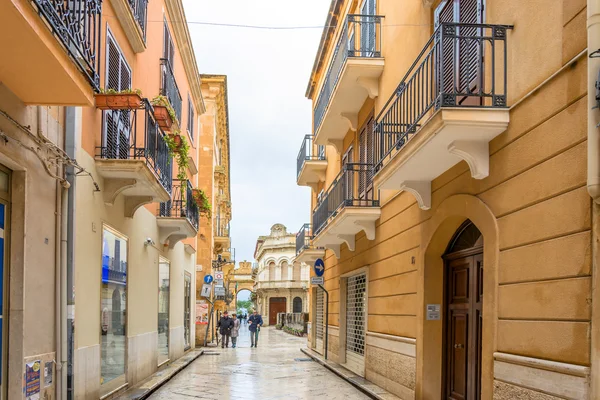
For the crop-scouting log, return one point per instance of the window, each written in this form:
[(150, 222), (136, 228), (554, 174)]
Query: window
[(168, 47), (116, 122), (113, 309), (190, 124), (297, 305), (284, 271), (365, 150), (164, 293), (272, 271)]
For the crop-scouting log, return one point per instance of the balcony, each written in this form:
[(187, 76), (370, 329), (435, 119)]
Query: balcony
[(353, 75), (228, 254), (169, 87), (134, 159), (178, 218), (449, 106), (221, 234), (56, 59), (311, 163), (132, 14), (349, 206), (305, 251)]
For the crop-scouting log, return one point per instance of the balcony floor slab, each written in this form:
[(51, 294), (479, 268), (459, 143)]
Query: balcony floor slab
[(312, 173), (172, 230)]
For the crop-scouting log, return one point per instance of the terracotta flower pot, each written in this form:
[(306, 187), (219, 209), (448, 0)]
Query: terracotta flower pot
[(118, 101), (163, 117), (177, 140)]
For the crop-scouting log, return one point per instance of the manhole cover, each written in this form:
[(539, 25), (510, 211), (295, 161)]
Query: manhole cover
[(302, 359)]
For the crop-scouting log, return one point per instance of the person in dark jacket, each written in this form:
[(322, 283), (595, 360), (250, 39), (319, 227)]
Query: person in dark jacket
[(255, 321), (225, 326)]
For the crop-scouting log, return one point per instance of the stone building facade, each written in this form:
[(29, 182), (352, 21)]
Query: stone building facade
[(454, 172), (281, 283)]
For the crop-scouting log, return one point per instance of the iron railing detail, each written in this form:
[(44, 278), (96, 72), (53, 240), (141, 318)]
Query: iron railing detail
[(303, 238), (182, 204), (462, 65), (344, 192), (77, 24), (309, 151), (140, 12), (135, 135), (360, 37), (169, 87), (221, 227)]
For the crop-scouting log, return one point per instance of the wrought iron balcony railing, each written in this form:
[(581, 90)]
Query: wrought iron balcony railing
[(77, 24), (361, 38), (221, 227), (309, 151), (140, 12), (462, 65), (231, 251), (348, 189), (135, 135), (182, 204), (169, 87), (303, 238)]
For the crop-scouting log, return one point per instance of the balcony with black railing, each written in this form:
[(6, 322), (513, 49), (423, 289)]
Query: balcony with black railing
[(61, 64), (169, 87), (349, 205), (179, 217), (448, 107), (134, 159), (133, 18), (352, 76), (140, 11), (305, 251), (311, 163), (221, 233)]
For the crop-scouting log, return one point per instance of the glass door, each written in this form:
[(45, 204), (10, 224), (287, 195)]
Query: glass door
[(164, 292)]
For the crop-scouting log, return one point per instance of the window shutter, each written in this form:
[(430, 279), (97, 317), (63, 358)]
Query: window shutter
[(168, 48), (190, 118), (113, 80), (469, 50)]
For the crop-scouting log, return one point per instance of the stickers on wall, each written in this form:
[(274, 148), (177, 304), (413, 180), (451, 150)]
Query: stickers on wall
[(32, 380)]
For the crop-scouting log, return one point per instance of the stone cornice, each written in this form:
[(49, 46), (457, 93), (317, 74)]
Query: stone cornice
[(184, 44)]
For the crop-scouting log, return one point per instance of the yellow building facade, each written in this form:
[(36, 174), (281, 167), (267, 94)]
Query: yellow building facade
[(448, 172)]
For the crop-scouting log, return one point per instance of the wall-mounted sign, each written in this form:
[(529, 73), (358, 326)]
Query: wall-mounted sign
[(205, 292), (208, 278), (433, 312), (219, 282), (219, 275), (319, 267), (317, 280), (219, 291)]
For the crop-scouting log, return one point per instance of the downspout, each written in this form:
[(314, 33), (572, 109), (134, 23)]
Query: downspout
[(593, 137)]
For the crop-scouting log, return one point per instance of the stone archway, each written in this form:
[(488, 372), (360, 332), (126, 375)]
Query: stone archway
[(243, 279), (437, 233)]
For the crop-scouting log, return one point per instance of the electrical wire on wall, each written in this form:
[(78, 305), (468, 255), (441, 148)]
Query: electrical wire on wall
[(54, 155)]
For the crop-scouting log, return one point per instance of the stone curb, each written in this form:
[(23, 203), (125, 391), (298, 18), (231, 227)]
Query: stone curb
[(368, 388), (151, 384)]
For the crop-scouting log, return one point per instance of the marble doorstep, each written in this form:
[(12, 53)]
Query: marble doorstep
[(359, 382), (153, 382)]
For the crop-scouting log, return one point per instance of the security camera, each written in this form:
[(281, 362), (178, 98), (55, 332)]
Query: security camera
[(149, 242)]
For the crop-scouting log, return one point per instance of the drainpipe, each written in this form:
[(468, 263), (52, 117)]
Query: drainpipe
[(593, 27)]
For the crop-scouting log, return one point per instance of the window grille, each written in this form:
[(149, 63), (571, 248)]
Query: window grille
[(355, 314), (319, 318)]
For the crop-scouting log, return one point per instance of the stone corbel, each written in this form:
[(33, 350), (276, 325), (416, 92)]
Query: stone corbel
[(338, 144), (174, 239), (335, 248), (113, 187), (349, 239), (371, 85), (132, 203), (368, 227), (421, 190), (351, 119), (476, 154), (164, 233)]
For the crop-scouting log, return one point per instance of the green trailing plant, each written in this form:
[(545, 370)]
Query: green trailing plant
[(293, 331), (161, 100), (178, 150), (125, 91), (204, 205), (278, 326)]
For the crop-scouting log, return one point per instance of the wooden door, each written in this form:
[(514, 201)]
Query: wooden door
[(463, 330), (276, 306)]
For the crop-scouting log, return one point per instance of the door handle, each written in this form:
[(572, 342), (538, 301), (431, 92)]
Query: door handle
[(458, 346)]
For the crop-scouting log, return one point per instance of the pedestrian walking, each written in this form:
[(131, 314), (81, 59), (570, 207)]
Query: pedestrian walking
[(235, 331), (256, 322), (225, 326)]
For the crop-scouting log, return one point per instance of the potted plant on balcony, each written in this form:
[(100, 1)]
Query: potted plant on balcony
[(178, 149), (201, 200), (163, 112), (111, 99)]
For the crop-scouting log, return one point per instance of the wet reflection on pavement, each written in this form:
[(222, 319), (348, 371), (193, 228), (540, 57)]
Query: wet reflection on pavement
[(275, 370)]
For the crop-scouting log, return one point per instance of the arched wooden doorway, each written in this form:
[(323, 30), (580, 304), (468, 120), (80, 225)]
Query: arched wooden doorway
[(463, 311), (276, 305)]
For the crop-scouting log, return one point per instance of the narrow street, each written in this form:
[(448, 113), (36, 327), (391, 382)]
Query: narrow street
[(277, 369)]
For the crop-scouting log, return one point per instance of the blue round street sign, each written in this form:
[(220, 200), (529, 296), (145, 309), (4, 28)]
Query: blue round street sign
[(319, 267), (208, 278)]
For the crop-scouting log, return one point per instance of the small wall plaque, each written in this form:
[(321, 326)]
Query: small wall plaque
[(433, 312)]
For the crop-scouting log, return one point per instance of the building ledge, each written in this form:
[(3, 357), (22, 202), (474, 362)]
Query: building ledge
[(130, 25), (312, 172), (451, 135), (172, 230), (310, 255), (343, 227)]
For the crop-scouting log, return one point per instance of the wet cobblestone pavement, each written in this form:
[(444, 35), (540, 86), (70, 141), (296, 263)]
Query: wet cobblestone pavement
[(277, 369)]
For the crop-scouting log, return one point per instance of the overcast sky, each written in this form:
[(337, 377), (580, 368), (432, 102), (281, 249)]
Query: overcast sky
[(267, 73)]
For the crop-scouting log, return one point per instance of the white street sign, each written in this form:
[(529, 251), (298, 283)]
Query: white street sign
[(317, 280), (218, 282), (205, 292), (219, 291), (219, 275)]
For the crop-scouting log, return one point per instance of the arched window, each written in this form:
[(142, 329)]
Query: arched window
[(271, 271), (466, 237), (284, 271), (297, 272), (297, 305)]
